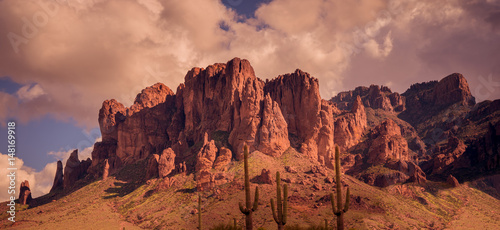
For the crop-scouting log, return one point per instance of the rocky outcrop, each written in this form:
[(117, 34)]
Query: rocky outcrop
[(388, 160), (223, 159), (220, 108), (349, 127), (265, 177), (273, 135), (166, 162), (205, 181), (309, 119), (453, 89), (105, 171), (424, 100), (131, 134), (152, 168), (445, 156), (452, 181), (25, 193), (207, 154), (410, 169), (225, 98), (375, 97), (387, 144), (74, 170), (58, 179)]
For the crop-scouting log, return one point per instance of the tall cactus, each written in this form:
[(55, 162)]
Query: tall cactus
[(326, 224), (199, 212), (282, 207), (339, 212), (249, 208)]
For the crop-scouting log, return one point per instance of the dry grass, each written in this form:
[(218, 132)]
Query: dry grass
[(124, 201)]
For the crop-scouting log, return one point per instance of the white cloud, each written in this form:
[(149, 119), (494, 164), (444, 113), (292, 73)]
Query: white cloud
[(89, 51), (30, 92), (377, 50), (40, 182)]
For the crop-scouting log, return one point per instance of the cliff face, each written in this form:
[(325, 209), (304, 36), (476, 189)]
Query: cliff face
[(222, 101), (204, 125)]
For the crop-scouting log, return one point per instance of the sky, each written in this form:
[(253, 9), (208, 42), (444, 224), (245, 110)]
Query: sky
[(61, 59)]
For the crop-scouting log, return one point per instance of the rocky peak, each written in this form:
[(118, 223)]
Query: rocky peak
[(58, 178), (453, 89), (297, 94), (74, 169), (150, 97), (376, 97), (111, 113)]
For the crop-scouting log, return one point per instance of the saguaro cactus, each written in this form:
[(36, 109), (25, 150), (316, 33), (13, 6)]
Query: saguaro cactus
[(339, 212), (199, 212), (282, 207), (249, 208), (326, 224)]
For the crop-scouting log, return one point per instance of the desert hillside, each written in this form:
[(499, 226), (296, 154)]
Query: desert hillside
[(428, 158)]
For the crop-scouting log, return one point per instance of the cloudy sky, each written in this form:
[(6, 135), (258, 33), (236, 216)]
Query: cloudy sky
[(60, 59)]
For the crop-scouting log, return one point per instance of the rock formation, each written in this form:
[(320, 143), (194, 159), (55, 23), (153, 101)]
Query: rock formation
[(152, 168), (350, 126), (223, 159), (375, 97), (74, 169), (58, 179), (265, 177), (387, 143), (445, 156), (166, 163), (309, 118), (452, 181), (25, 193), (105, 171), (205, 123)]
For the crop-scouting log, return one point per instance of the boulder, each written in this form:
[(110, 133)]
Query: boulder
[(452, 181)]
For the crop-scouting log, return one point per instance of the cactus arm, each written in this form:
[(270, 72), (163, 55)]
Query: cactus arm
[(243, 209), (346, 206), (256, 200), (285, 203)]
